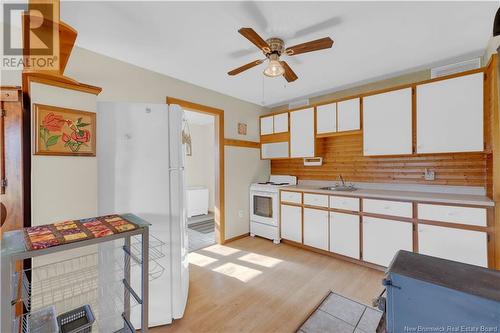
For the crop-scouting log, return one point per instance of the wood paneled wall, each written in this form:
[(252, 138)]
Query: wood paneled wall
[(344, 155)]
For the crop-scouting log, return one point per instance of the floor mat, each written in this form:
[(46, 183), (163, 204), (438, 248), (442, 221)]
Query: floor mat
[(339, 314), (204, 227)]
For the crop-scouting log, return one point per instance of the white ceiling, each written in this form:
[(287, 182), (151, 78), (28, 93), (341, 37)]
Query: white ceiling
[(198, 118), (198, 42)]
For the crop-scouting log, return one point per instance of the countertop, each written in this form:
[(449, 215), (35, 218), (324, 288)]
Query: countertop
[(450, 198)]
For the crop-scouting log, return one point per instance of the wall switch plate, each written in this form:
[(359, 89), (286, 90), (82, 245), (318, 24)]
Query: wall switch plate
[(240, 214), (429, 174)]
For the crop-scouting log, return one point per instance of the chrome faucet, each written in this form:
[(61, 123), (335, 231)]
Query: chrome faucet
[(342, 180)]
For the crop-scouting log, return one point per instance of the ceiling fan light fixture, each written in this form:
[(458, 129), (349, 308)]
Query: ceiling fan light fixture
[(274, 68)]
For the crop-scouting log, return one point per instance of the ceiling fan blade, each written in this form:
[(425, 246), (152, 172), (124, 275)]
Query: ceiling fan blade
[(315, 45), (245, 67), (289, 74), (331, 22), (252, 36)]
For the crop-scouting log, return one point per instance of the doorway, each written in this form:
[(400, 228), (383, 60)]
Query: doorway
[(199, 132), (204, 166)]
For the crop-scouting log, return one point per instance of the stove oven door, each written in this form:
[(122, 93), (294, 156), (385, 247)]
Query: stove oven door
[(264, 207)]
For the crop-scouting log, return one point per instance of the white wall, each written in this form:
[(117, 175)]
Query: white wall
[(200, 166), (243, 166), (63, 187)]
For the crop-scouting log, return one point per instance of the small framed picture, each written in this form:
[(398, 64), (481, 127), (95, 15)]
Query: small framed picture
[(242, 128), (64, 132)]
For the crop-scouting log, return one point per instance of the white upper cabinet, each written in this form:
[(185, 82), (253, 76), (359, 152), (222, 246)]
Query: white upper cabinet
[(277, 123), (450, 115), (302, 133), (266, 125), (387, 123), (348, 116), (326, 118), (281, 122), (274, 150)]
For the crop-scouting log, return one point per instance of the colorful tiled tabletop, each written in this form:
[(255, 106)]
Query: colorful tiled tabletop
[(45, 236)]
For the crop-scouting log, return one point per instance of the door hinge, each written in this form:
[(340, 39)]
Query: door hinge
[(388, 283), (3, 184), (2, 114)]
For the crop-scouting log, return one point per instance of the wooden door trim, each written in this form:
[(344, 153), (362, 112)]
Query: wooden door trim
[(219, 190), (241, 143)]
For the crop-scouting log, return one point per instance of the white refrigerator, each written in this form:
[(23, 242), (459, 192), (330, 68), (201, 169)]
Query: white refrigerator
[(141, 171)]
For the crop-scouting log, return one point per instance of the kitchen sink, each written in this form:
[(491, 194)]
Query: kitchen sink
[(339, 188)]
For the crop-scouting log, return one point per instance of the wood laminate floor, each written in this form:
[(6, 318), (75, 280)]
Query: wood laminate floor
[(253, 285)]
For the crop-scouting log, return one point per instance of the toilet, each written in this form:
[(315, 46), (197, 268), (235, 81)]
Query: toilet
[(196, 200)]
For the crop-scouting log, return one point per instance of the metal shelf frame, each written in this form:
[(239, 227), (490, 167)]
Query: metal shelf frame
[(14, 251)]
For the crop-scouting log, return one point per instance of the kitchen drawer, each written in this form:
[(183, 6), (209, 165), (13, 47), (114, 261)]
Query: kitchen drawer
[(453, 214), (318, 200), (344, 203), (293, 197), (385, 207)]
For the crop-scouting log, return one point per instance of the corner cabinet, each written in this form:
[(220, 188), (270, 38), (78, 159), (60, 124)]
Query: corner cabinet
[(450, 115), (302, 137)]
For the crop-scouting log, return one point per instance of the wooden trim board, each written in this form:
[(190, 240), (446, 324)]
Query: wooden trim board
[(219, 188), (241, 143)]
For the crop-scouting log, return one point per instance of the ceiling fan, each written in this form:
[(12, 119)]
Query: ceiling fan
[(274, 48)]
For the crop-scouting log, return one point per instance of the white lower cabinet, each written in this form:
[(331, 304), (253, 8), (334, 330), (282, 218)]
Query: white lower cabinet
[(383, 238), (291, 223), (316, 228), (344, 234), (467, 246)]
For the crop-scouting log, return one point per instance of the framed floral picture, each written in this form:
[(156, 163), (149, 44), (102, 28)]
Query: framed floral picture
[(60, 131)]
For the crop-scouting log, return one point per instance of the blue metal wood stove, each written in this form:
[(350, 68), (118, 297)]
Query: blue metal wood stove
[(428, 294)]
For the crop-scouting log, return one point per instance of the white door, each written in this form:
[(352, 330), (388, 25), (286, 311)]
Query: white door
[(387, 123), (348, 115), (281, 122), (266, 125), (326, 118), (316, 228), (383, 238), (291, 223), (344, 234), (302, 133), (450, 115), (467, 246)]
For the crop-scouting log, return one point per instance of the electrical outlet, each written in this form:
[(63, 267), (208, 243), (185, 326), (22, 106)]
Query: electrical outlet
[(240, 214), (429, 174)]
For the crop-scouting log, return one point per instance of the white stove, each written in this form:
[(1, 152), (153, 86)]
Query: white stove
[(264, 206)]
